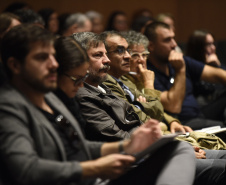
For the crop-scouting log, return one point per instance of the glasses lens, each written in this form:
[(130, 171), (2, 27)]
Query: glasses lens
[(80, 80), (121, 50)]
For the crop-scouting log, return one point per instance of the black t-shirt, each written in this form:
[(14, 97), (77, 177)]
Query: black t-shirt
[(190, 108)]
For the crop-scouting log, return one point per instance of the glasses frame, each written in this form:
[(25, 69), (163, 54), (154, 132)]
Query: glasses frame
[(78, 80), (117, 50), (140, 54)]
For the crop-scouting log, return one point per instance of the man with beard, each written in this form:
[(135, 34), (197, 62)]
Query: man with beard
[(40, 141), (175, 75), (98, 103), (108, 117)]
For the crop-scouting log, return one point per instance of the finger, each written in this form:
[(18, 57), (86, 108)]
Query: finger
[(151, 122), (140, 67), (188, 129), (182, 129)]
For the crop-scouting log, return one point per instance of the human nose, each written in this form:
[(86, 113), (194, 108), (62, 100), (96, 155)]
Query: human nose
[(127, 54), (106, 59), (53, 63), (174, 43)]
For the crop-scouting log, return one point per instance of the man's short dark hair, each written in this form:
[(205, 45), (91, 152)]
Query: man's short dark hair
[(17, 42), (111, 33), (150, 31)]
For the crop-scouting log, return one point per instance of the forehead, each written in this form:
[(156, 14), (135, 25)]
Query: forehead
[(39, 46), (114, 41), (209, 37), (164, 32), (99, 48), (137, 48)]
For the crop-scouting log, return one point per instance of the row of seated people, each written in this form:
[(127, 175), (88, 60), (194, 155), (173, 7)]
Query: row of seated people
[(36, 138)]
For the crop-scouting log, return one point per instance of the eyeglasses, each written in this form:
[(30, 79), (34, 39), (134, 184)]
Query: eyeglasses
[(77, 81), (120, 50), (137, 55)]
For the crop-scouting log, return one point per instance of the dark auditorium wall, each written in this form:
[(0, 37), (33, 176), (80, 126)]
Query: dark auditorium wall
[(189, 14)]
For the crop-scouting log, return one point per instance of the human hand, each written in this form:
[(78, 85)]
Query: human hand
[(107, 167), (176, 60), (200, 154), (176, 127), (141, 99), (212, 60), (143, 137), (187, 128), (147, 77)]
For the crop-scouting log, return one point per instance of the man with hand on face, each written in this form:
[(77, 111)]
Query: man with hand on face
[(119, 65), (149, 104), (40, 141), (175, 75), (105, 113)]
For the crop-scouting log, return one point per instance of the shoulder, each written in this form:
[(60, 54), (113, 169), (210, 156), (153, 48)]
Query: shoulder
[(110, 81)]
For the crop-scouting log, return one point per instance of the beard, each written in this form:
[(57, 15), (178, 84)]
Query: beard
[(94, 76), (41, 85)]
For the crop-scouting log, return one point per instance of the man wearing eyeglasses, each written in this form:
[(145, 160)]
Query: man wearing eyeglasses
[(148, 105), (32, 148)]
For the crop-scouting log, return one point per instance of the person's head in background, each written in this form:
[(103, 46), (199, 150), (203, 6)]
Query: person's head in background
[(97, 21), (117, 21), (201, 46), (7, 21), (140, 23), (29, 16), (75, 23), (99, 62), (50, 18), (17, 6), (168, 19), (73, 65), (144, 12), (138, 45)]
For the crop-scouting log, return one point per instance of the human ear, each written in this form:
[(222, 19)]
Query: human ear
[(14, 65), (150, 46)]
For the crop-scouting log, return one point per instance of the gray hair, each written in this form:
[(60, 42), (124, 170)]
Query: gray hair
[(77, 18), (93, 14), (136, 38), (87, 39)]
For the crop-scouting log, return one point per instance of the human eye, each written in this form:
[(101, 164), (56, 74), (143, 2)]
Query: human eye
[(98, 55), (41, 56), (121, 50), (135, 55)]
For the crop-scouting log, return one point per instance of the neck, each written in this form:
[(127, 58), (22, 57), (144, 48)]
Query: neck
[(90, 82), (35, 97), (116, 75), (159, 64)]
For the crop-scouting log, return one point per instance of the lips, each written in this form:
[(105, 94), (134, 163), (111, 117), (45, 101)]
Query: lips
[(126, 64), (52, 77)]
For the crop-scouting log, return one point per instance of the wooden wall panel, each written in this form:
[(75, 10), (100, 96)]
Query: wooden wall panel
[(189, 14)]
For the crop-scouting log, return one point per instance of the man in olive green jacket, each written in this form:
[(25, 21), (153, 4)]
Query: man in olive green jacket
[(146, 105)]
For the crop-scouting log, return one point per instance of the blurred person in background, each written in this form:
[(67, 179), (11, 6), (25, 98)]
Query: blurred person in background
[(74, 23), (97, 21), (117, 21), (50, 18), (29, 16)]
